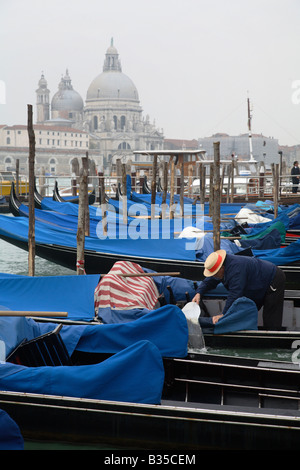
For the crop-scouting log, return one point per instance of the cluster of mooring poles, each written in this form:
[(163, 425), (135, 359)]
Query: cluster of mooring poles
[(83, 229)]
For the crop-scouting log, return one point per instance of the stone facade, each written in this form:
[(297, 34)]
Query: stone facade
[(56, 148), (265, 149)]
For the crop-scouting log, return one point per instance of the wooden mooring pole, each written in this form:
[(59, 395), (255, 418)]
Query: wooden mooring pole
[(80, 237), (275, 174), (31, 219), (217, 197), (124, 193), (182, 190), (153, 186), (103, 203), (172, 189), (17, 177), (85, 165)]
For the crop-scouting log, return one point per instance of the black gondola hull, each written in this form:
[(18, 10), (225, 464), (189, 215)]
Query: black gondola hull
[(101, 262)]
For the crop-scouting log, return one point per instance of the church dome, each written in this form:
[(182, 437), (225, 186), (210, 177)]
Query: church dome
[(112, 83), (66, 98)]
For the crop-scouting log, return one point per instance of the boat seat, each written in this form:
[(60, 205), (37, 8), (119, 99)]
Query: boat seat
[(45, 350)]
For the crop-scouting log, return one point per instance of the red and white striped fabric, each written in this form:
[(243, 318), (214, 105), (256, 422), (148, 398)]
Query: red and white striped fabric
[(125, 293)]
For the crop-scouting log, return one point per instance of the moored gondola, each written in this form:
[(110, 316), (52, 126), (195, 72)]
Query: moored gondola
[(170, 425), (75, 200), (95, 260), (206, 401), (14, 203)]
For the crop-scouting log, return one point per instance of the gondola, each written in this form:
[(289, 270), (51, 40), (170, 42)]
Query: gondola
[(35, 294), (171, 425), (206, 401), (101, 261), (145, 187), (75, 200), (56, 196), (36, 195)]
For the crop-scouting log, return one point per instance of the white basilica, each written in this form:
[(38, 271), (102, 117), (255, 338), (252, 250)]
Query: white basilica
[(112, 115)]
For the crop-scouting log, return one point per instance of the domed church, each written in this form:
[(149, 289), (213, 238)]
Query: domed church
[(112, 114)]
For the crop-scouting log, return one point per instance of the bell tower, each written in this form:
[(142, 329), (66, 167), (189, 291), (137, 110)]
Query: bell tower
[(42, 103)]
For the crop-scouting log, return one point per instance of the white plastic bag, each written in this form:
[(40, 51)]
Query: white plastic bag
[(192, 312)]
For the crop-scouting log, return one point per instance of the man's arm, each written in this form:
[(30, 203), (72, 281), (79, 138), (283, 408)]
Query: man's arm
[(206, 285)]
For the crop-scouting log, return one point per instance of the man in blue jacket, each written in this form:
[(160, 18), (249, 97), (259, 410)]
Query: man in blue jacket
[(244, 276)]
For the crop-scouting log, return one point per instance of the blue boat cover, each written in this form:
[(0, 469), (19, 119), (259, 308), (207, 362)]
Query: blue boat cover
[(205, 247), (72, 294), (135, 374), (281, 256), (143, 227), (271, 240), (169, 248), (10, 435), (165, 327), (242, 315)]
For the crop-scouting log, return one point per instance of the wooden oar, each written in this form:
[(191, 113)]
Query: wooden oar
[(149, 274), (230, 238), (20, 313)]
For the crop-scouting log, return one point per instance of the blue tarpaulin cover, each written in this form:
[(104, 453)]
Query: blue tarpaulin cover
[(72, 294), (242, 315), (169, 248), (280, 256), (165, 327), (10, 435), (135, 374)]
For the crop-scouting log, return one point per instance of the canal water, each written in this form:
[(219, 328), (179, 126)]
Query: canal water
[(13, 260)]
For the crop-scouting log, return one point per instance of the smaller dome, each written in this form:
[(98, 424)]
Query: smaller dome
[(66, 98), (111, 50)]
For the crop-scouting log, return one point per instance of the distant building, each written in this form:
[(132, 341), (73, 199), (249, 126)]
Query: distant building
[(265, 149), (290, 154), (181, 144), (58, 148), (109, 125), (113, 115)]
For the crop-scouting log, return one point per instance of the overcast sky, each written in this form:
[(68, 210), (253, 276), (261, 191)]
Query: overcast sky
[(194, 62)]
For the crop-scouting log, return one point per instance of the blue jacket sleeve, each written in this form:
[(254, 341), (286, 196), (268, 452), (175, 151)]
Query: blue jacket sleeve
[(207, 284)]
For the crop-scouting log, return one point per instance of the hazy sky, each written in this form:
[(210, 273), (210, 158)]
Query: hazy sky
[(194, 62)]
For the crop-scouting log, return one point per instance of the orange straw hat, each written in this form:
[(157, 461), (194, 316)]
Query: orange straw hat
[(214, 262)]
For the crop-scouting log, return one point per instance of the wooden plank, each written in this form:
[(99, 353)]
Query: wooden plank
[(151, 274), (21, 313)]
